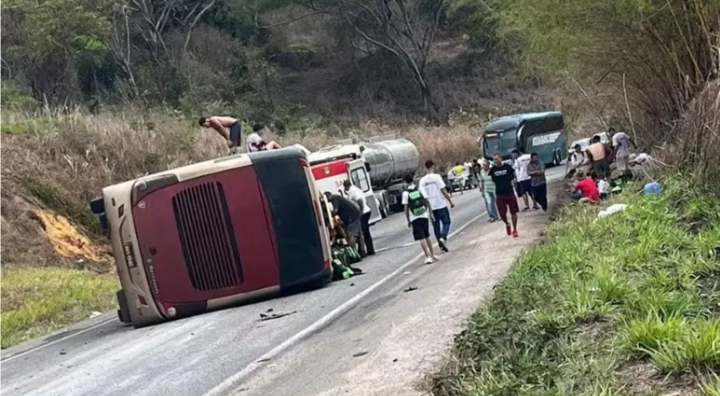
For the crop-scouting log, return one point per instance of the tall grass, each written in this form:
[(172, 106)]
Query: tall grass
[(599, 296), (61, 160)]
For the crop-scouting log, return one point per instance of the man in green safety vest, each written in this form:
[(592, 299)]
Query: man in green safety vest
[(419, 216)]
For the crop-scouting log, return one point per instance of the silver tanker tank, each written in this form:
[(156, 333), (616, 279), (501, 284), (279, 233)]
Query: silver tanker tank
[(391, 160)]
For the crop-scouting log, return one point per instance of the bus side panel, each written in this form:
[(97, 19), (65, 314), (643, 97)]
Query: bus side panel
[(286, 191), (546, 145)]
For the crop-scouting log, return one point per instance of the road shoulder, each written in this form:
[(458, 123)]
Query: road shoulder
[(391, 341)]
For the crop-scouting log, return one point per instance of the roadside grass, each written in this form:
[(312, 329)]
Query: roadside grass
[(37, 301), (600, 297)]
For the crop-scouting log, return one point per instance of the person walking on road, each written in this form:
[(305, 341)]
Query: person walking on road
[(419, 215), (523, 183), (536, 170), (365, 241), (503, 175), (439, 199), (487, 188), (350, 215)]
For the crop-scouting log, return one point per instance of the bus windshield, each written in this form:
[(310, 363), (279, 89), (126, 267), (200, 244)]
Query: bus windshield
[(499, 142)]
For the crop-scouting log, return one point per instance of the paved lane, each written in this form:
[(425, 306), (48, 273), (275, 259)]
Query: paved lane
[(203, 354)]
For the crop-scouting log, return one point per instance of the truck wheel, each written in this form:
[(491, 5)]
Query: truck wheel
[(124, 310)]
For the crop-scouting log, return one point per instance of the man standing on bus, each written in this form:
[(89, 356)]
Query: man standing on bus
[(228, 127), (524, 184)]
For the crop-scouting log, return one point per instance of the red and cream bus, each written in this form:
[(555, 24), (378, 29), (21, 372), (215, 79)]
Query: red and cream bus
[(215, 234)]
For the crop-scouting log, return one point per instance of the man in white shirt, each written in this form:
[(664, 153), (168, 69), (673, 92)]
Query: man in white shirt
[(438, 198), (355, 194), (256, 143), (523, 184)]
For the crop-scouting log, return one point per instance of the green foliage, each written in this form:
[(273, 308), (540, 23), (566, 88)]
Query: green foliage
[(15, 99), (59, 35), (36, 301), (633, 286)]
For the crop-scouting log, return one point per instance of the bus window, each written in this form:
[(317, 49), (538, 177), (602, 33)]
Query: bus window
[(501, 142), (532, 128)]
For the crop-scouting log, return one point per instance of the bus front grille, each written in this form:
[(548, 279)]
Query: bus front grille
[(208, 240)]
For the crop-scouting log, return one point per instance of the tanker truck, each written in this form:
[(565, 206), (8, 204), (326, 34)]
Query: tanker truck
[(378, 167)]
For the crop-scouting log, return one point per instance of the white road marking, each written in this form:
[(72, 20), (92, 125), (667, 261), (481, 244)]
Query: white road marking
[(23, 353), (227, 385), (395, 247)]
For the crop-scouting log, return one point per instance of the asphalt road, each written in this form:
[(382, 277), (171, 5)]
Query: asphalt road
[(213, 353)]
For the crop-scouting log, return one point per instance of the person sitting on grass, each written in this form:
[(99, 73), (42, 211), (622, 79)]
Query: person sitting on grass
[(419, 216), (585, 189), (603, 187)]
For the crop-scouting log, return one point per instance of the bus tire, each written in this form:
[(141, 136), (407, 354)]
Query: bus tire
[(123, 311)]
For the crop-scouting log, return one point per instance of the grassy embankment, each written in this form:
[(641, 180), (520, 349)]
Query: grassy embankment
[(55, 272), (626, 305)]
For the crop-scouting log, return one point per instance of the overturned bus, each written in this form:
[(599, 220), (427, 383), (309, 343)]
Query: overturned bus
[(215, 234)]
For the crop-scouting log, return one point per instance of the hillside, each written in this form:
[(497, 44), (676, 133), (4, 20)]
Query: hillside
[(98, 92)]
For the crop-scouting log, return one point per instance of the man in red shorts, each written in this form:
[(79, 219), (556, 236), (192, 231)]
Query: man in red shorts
[(502, 175)]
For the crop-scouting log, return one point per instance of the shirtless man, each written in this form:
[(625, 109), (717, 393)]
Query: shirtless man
[(228, 127)]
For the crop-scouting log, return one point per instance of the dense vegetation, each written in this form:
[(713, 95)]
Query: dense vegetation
[(269, 60), (624, 305)]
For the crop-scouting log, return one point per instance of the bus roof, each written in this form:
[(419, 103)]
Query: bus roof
[(513, 121)]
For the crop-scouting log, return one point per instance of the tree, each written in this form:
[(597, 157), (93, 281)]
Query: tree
[(404, 28), (58, 37)]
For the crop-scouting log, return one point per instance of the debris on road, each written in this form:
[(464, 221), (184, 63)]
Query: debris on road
[(410, 288), (363, 353), (264, 317)]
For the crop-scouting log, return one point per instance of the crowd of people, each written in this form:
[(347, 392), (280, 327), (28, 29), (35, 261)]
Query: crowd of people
[(428, 201), (601, 169)]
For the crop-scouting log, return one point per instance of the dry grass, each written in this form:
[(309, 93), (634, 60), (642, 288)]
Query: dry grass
[(696, 138), (60, 161)]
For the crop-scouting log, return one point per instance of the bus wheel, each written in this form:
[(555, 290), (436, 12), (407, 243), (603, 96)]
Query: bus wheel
[(124, 311)]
